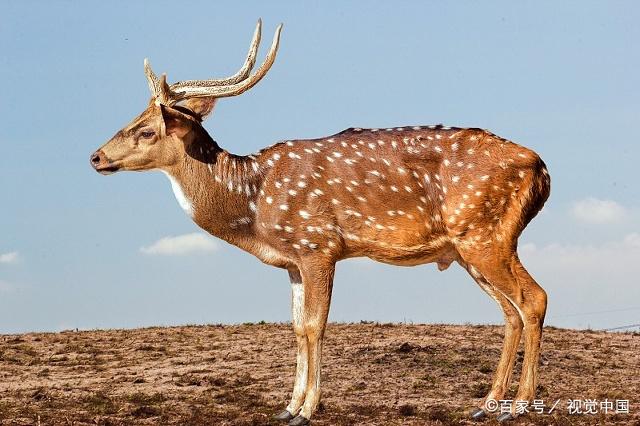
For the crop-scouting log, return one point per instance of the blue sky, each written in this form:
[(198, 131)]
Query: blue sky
[(81, 250)]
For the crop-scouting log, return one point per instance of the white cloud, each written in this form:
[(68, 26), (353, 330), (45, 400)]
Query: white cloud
[(181, 244), (632, 240), (11, 257), (595, 211), (610, 265), (6, 287), (582, 279)]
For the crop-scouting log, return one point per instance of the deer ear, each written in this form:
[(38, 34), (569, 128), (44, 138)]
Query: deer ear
[(174, 122), (201, 107)]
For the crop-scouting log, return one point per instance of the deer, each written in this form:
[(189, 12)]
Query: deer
[(403, 196)]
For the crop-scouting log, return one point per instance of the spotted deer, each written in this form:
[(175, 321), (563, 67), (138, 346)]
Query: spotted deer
[(404, 196)]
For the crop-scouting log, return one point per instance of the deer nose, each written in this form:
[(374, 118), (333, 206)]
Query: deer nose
[(96, 158)]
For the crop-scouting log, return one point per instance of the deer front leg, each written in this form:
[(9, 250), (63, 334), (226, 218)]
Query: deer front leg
[(297, 312), (318, 283)]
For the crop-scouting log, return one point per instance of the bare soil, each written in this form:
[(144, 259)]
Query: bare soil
[(374, 374)]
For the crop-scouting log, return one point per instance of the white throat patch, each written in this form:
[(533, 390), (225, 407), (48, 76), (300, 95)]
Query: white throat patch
[(184, 202)]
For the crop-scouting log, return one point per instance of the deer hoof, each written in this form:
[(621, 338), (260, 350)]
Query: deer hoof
[(299, 421), (505, 417), (478, 414), (285, 416)]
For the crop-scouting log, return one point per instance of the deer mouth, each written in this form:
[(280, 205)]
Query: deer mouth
[(102, 164), (107, 169)]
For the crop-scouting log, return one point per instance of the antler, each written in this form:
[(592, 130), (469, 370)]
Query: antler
[(199, 90), (242, 73), (159, 87), (231, 86)]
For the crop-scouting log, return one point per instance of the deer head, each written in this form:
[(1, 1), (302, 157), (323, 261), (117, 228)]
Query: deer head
[(165, 130)]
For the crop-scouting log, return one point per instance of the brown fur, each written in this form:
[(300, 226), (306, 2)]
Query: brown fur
[(403, 196)]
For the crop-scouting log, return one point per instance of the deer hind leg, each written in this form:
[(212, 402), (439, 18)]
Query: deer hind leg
[(507, 276), (512, 333), (300, 383), (318, 283), (534, 309)]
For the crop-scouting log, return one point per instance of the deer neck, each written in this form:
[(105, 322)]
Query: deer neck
[(218, 190)]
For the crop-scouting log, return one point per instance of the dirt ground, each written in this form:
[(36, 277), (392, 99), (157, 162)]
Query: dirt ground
[(374, 374)]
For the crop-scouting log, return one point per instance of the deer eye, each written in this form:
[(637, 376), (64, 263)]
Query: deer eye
[(147, 134)]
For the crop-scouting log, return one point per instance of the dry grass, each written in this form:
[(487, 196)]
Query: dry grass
[(374, 374)]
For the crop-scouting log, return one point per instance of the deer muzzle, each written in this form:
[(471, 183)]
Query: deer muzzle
[(102, 164)]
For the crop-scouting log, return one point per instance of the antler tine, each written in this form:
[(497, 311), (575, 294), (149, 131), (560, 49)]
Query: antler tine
[(242, 73), (164, 95), (152, 79), (159, 88), (240, 87)]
